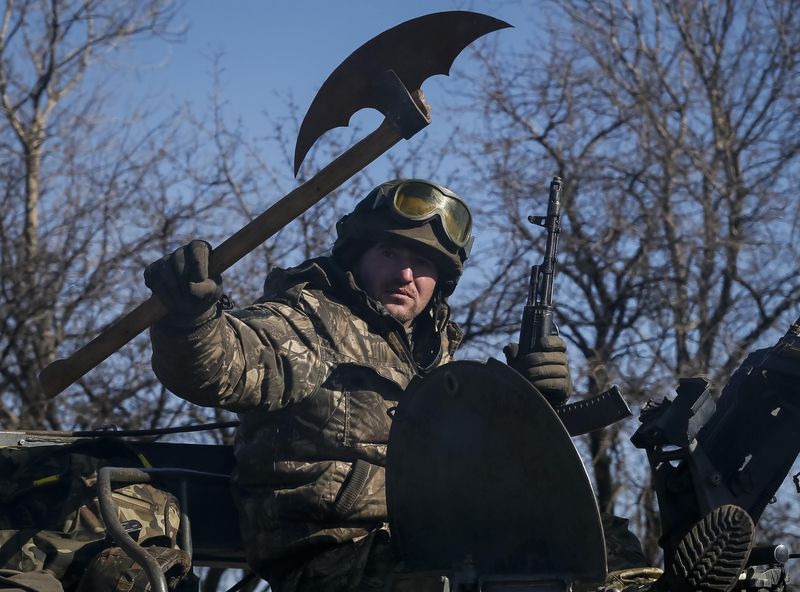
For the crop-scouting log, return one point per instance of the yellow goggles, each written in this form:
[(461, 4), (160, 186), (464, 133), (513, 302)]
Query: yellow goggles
[(415, 200)]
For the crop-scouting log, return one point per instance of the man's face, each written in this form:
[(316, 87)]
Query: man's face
[(399, 277)]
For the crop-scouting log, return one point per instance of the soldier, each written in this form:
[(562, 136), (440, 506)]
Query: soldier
[(312, 369)]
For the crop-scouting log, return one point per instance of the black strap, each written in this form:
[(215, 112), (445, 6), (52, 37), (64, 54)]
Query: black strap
[(353, 487)]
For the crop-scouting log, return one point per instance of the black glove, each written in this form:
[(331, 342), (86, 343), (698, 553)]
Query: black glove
[(180, 281), (546, 368)]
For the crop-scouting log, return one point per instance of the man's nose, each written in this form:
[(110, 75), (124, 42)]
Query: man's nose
[(407, 273)]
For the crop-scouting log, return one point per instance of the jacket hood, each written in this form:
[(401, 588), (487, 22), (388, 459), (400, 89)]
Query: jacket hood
[(326, 275)]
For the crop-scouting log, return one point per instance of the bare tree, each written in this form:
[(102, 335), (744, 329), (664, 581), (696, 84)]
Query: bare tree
[(90, 196), (675, 127), (73, 189)]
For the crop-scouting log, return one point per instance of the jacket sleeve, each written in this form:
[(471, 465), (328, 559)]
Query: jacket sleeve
[(267, 355)]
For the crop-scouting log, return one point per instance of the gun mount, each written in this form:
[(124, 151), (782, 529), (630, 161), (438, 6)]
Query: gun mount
[(738, 450)]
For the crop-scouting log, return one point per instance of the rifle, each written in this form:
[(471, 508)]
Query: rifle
[(589, 414), (537, 316)]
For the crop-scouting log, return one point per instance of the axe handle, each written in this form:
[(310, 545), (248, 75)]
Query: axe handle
[(58, 375)]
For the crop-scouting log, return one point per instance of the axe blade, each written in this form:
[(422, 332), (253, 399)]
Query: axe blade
[(415, 50)]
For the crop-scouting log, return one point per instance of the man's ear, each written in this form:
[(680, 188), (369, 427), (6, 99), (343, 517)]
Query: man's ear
[(436, 299)]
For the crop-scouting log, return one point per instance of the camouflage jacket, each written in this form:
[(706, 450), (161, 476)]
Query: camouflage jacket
[(313, 369)]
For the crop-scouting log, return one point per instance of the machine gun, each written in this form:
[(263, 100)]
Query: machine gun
[(766, 569), (737, 450), (589, 414)]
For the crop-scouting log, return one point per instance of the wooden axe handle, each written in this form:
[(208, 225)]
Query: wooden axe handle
[(58, 375)]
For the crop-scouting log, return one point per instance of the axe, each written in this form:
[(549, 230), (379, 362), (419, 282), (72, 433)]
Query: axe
[(385, 73)]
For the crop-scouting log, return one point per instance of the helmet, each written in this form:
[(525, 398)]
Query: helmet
[(424, 213)]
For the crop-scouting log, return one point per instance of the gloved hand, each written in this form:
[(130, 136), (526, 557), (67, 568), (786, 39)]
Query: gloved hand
[(180, 280), (546, 368)]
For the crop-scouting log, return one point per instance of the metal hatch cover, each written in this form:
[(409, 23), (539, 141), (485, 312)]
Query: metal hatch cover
[(480, 469)]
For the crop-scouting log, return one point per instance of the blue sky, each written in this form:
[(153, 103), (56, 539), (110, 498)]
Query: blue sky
[(272, 49)]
